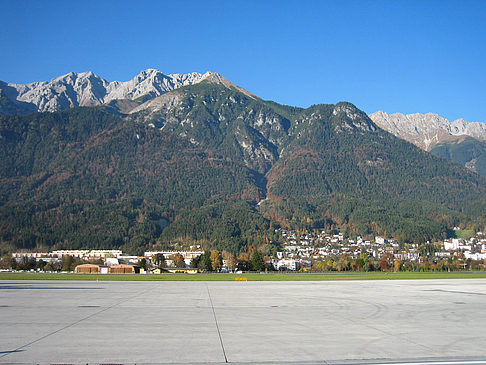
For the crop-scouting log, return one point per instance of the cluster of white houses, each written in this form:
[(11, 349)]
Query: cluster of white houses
[(318, 246), (297, 250)]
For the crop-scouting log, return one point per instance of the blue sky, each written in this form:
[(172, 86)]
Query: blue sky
[(397, 56)]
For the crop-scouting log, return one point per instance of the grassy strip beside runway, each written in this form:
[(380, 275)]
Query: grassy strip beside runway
[(248, 276)]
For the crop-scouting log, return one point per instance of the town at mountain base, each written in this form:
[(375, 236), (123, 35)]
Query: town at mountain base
[(316, 251), (226, 169)]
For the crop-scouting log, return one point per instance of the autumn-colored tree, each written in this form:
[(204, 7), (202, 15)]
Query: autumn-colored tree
[(330, 265), (67, 263), (397, 265), (386, 261), (343, 263), (52, 266), (230, 260), (178, 260), (49, 266), (384, 266), (7, 262), (243, 261), (216, 261), (319, 266)]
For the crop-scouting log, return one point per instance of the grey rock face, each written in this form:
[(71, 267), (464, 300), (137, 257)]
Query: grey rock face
[(88, 89), (426, 130)]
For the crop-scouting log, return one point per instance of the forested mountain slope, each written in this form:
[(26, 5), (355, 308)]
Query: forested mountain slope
[(466, 151), (341, 165), (202, 157)]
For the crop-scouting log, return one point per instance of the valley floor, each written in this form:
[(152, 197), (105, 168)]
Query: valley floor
[(252, 276)]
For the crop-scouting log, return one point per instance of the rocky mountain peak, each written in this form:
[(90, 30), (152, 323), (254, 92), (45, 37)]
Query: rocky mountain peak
[(87, 89), (216, 78), (352, 118)]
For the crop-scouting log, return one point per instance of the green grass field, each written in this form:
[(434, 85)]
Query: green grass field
[(248, 276)]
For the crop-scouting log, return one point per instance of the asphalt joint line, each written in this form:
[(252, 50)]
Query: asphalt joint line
[(217, 325)]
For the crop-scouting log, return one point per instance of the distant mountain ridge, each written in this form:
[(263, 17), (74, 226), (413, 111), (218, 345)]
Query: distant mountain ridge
[(87, 89), (427, 130), (460, 141)]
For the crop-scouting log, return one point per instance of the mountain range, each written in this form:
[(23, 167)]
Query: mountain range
[(222, 166), (87, 89), (460, 141)]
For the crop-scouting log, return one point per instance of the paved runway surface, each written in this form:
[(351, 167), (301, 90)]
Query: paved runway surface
[(243, 322)]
